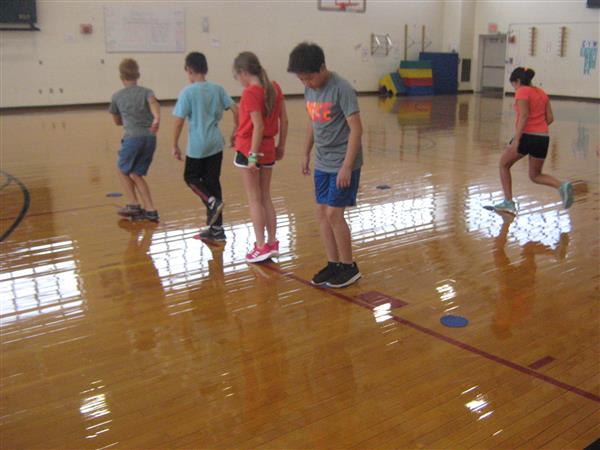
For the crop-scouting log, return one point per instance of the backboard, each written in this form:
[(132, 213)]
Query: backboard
[(357, 6)]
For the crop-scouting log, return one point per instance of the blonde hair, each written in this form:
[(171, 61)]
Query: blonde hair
[(129, 69), (248, 62)]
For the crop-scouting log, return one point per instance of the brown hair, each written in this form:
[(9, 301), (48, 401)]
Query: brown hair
[(129, 69), (248, 62)]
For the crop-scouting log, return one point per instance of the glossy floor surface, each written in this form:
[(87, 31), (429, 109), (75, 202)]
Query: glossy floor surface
[(121, 335)]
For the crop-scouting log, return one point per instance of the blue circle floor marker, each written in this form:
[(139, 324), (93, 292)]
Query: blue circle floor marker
[(114, 194), (454, 321)]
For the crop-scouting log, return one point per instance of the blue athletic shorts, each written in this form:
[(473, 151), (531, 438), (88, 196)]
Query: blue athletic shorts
[(327, 193), (136, 154)]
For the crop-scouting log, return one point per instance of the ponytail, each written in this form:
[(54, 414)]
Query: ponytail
[(248, 62), (523, 74), (270, 94)]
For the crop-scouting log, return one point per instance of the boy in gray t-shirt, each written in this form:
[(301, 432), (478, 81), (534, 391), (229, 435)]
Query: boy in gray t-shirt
[(335, 129), (137, 110)]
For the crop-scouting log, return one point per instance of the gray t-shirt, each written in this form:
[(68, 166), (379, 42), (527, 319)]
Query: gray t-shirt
[(328, 108), (131, 103)]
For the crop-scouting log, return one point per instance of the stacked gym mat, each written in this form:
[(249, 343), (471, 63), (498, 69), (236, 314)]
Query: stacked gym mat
[(412, 78), (434, 73)]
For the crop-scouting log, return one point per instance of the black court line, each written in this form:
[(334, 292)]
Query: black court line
[(6, 183), (24, 208), (594, 445), (442, 337)]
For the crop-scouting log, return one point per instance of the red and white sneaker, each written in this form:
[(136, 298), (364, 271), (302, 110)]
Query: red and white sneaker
[(274, 247), (259, 254)]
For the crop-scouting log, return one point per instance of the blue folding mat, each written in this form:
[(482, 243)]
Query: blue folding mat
[(445, 71)]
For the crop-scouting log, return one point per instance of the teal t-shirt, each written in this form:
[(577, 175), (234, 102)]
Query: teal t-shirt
[(203, 103)]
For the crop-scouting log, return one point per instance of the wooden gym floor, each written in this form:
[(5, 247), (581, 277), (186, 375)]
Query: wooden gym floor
[(120, 335)]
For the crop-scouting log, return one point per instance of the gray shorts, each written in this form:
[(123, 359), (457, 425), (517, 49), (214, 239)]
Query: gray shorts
[(136, 154)]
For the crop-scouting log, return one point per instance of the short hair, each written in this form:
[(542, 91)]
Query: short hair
[(196, 62), (306, 58), (523, 74), (129, 69)]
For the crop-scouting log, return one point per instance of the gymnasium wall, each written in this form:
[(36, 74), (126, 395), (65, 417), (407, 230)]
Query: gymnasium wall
[(457, 36), (58, 65), (557, 75)]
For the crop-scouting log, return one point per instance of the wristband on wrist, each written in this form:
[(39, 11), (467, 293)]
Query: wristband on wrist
[(252, 158)]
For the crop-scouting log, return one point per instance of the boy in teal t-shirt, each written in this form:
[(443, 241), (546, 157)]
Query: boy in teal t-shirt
[(203, 103)]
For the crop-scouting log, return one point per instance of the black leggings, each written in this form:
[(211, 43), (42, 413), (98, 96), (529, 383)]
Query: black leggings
[(202, 176)]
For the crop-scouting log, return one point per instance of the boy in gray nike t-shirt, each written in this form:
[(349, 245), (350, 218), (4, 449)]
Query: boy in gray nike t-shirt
[(335, 129), (137, 110)]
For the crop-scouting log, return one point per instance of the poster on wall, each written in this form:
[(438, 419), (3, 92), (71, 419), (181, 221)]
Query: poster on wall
[(144, 29), (589, 52)]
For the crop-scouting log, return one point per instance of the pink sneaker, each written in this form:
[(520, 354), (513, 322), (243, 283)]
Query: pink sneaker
[(274, 247), (259, 254)]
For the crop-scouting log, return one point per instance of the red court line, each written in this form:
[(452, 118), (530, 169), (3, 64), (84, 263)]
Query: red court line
[(499, 360), (448, 340), (541, 363)]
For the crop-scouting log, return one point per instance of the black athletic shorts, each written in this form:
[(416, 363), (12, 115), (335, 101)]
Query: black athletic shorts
[(241, 161), (534, 145)]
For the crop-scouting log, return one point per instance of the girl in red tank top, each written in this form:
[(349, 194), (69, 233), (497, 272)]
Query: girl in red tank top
[(534, 114), (262, 118)]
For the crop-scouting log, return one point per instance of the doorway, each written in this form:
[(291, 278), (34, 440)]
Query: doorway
[(493, 54)]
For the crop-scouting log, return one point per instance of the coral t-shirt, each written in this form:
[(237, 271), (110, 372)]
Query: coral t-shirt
[(253, 99), (537, 101)]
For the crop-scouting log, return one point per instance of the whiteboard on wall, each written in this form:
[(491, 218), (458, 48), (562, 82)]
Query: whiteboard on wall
[(144, 29)]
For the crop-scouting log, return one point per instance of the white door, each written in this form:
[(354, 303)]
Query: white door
[(492, 69)]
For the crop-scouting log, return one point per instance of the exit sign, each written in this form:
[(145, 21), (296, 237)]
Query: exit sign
[(492, 27)]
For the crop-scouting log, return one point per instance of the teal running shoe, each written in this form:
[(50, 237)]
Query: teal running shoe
[(507, 206), (566, 194)]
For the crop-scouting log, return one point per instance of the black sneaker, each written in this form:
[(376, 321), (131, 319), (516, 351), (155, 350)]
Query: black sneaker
[(345, 275), (213, 234), (214, 209), (130, 210), (325, 274)]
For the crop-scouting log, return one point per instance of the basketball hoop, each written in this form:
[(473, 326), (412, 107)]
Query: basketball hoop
[(342, 5)]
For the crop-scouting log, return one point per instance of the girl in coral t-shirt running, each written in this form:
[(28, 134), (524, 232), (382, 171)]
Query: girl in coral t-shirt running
[(534, 114), (262, 117)]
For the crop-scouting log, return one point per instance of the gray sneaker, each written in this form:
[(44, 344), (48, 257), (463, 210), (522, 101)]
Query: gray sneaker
[(130, 210), (152, 216)]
